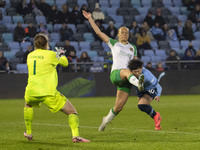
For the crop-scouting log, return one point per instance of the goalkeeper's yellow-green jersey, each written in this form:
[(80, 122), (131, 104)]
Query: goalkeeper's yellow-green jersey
[(42, 73)]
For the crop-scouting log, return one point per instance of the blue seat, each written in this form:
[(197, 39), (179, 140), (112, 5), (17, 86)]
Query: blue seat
[(146, 58), (17, 19), (50, 2), (139, 18), (184, 11), (197, 35), (7, 37), (22, 68), (41, 19), (88, 37), (149, 53), (52, 45), (117, 19), (160, 52), (92, 54), (174, 44), (183, 18), (157, 58), (177, 3), (154, 44), (84, 46), (7, 19), (55, 37), (136, 3), (115, 3), (196, 43), (24, 45), (146, 3), (143, 10), (50, 28), (57, 27), (14, 46), (9, 54), (167, 3), (10, 27), (72, 26), (174, 10), (184, 43), (81, 2)]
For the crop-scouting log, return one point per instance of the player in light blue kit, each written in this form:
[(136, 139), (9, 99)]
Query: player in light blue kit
[(152, 90)]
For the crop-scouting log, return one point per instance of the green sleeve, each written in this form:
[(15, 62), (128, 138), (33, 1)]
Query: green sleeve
[(135, 50), (112, 41)]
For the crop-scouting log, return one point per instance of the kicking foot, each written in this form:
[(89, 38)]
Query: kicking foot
[(28, 136), (141, 83), (103, 124), (157, 120), (79, 140)]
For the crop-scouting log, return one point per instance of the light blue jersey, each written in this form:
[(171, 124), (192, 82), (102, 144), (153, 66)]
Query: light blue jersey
[(151, 85)]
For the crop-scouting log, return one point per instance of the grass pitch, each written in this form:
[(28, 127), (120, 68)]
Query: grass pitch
[(130, 130)]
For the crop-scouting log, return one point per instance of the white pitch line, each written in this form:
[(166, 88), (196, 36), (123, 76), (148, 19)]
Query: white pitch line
[(93, 127)]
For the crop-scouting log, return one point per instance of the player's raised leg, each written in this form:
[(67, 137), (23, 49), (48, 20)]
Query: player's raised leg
[(126, 74), (73, 122), (121, 100), (144, 105), (28, 117)]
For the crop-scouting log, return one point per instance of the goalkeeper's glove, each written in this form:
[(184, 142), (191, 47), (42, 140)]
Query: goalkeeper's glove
[(60, 52)]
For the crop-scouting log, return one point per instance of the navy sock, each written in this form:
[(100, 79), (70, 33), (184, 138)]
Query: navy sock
[(148, 109)]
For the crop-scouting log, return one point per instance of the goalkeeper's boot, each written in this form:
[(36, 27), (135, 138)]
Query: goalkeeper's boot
[(28, 136), (79, 140), (103, 124), (141, 82), (157, 120)]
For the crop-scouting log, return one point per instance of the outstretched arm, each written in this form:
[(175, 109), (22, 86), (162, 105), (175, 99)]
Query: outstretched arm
[(102, 35)]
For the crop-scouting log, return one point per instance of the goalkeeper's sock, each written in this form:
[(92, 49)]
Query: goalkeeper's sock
[(28, 117), (148, 109), (133, 80), (111, 115), (74, 124)]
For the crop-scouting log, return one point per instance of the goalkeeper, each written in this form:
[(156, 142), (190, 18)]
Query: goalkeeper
[(42, 83)]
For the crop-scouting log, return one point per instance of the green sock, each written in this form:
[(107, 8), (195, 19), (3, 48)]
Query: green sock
[(28, 117), (74, 124)]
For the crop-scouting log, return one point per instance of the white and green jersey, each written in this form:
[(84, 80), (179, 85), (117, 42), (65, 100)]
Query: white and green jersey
[(121, 53)]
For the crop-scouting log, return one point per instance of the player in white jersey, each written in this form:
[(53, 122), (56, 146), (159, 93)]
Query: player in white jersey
[(120, 76)]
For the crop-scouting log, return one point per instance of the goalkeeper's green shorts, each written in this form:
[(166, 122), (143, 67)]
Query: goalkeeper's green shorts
[(55, 103)]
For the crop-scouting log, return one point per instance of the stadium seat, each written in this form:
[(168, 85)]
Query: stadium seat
[(136, 3), (50, 27), (14, 46), (146, 58), (184, 11), (184, 44), (10, 27), (7, 19), (78, 37), (11, 11), (50, 2), (92, 54), (139, 19), (174, 10), (197, 35), (149, 53), (29, 18), (167, 3), (4, 46), (52, 45), (55, 37), (84, 46), (7, 37), (24, 45), (164, 45), (133, 11), (9, 54), (81, 2), (72, 26), (174, 44), (22, 68), (122, 11), (72, 3), (117, 19), (183, 18), (154, 44), (146, 3), (57, 27), (196, 43), (161, 53), (41, 19), (88, 37), (115, 3), (143, 10), (177, 3), (17, 19), (82, 28)]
